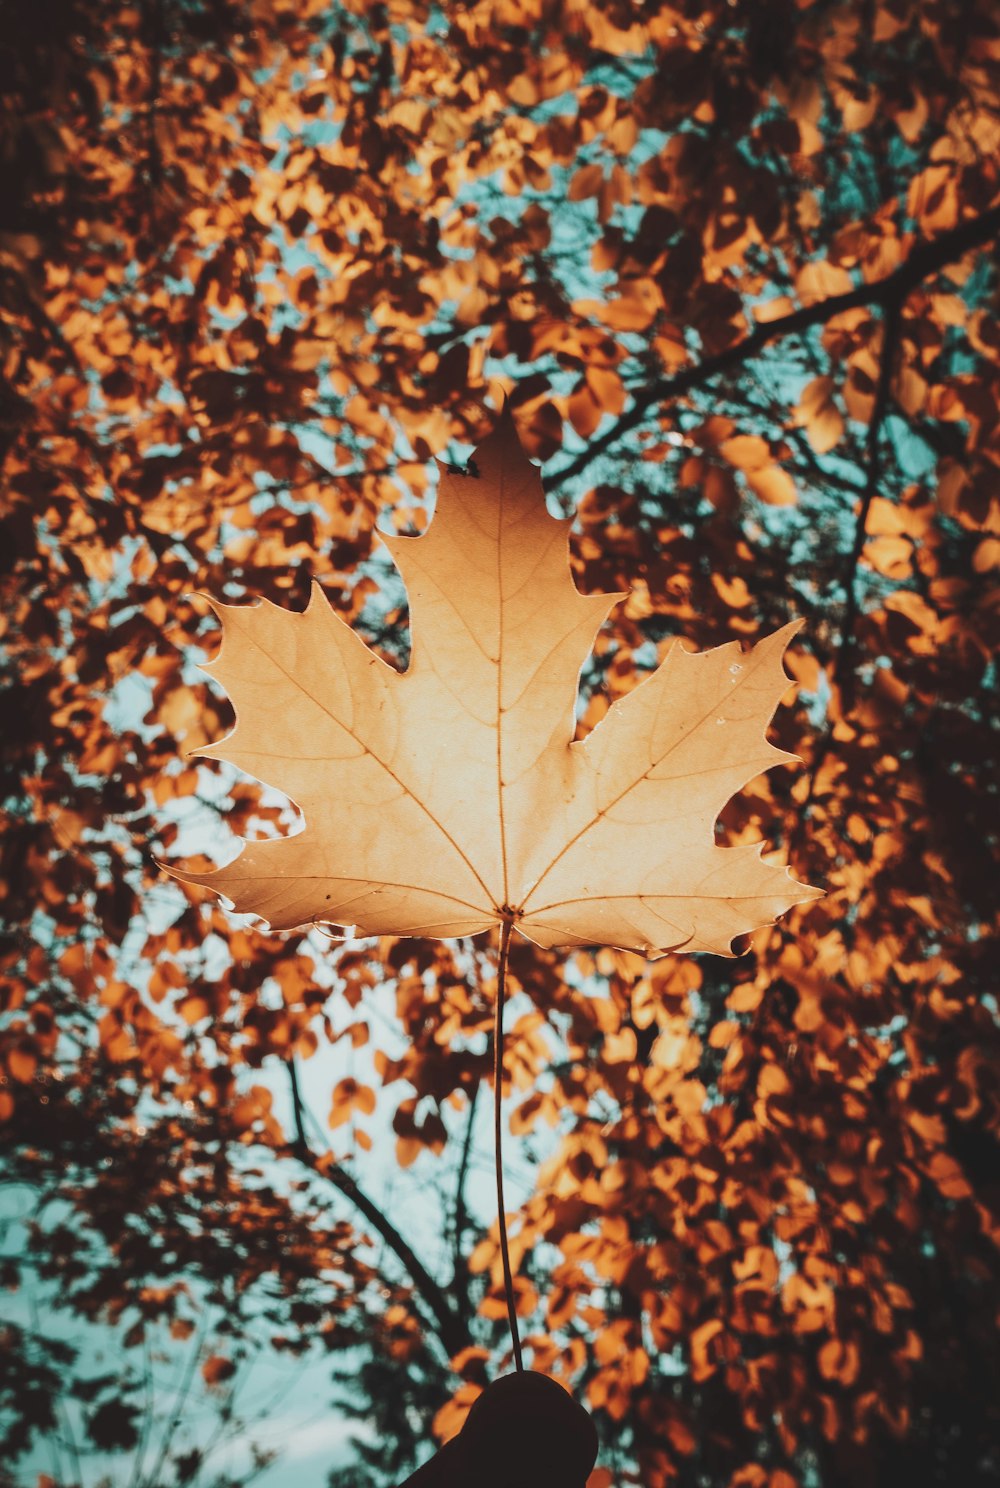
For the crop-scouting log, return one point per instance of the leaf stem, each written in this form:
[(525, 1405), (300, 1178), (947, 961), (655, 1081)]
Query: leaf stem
[(508, 1281)]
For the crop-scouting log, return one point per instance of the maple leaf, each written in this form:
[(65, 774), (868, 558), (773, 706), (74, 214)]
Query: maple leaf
[(452, 797)]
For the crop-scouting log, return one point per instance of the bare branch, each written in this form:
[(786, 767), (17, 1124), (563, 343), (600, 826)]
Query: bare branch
[(461, 1209), (429, 1291)]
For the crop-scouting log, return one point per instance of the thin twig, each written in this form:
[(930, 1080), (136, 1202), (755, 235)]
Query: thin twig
[(180, 1401), (154, 158), (508, 1280), (461, 1209), (142, 1445)]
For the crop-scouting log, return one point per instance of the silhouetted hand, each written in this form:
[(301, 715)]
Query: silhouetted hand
[(524, 1431)]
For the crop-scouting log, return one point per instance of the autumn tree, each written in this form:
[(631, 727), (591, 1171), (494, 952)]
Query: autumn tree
[(733, 265)]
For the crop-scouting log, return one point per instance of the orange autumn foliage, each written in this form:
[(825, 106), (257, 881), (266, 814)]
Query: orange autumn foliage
[(732, 263)]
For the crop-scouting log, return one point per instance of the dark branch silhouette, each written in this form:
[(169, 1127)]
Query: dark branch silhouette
[(843, 674), (927, 258), (429, 1291)]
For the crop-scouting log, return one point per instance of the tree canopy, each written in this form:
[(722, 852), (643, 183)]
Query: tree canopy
[(734, 266)]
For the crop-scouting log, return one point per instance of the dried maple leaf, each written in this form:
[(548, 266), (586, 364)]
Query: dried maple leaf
[(450, 798)]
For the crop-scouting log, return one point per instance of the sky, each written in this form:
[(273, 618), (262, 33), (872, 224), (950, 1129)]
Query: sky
[(286, 1404)]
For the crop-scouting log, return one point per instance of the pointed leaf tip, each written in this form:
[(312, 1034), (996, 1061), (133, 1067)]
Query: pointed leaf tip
[(437, 800)]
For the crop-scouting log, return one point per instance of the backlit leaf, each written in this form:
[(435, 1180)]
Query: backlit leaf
[(445, 800)]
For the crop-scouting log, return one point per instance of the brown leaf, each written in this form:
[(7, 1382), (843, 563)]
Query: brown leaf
[(819, 415), (773, 485), (217, 1369)]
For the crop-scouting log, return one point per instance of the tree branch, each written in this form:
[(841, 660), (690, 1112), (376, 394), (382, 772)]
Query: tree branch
[(890, 341), (925, 259), (154, 159), (434, 1296), (461, 1209), (843, 675)]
